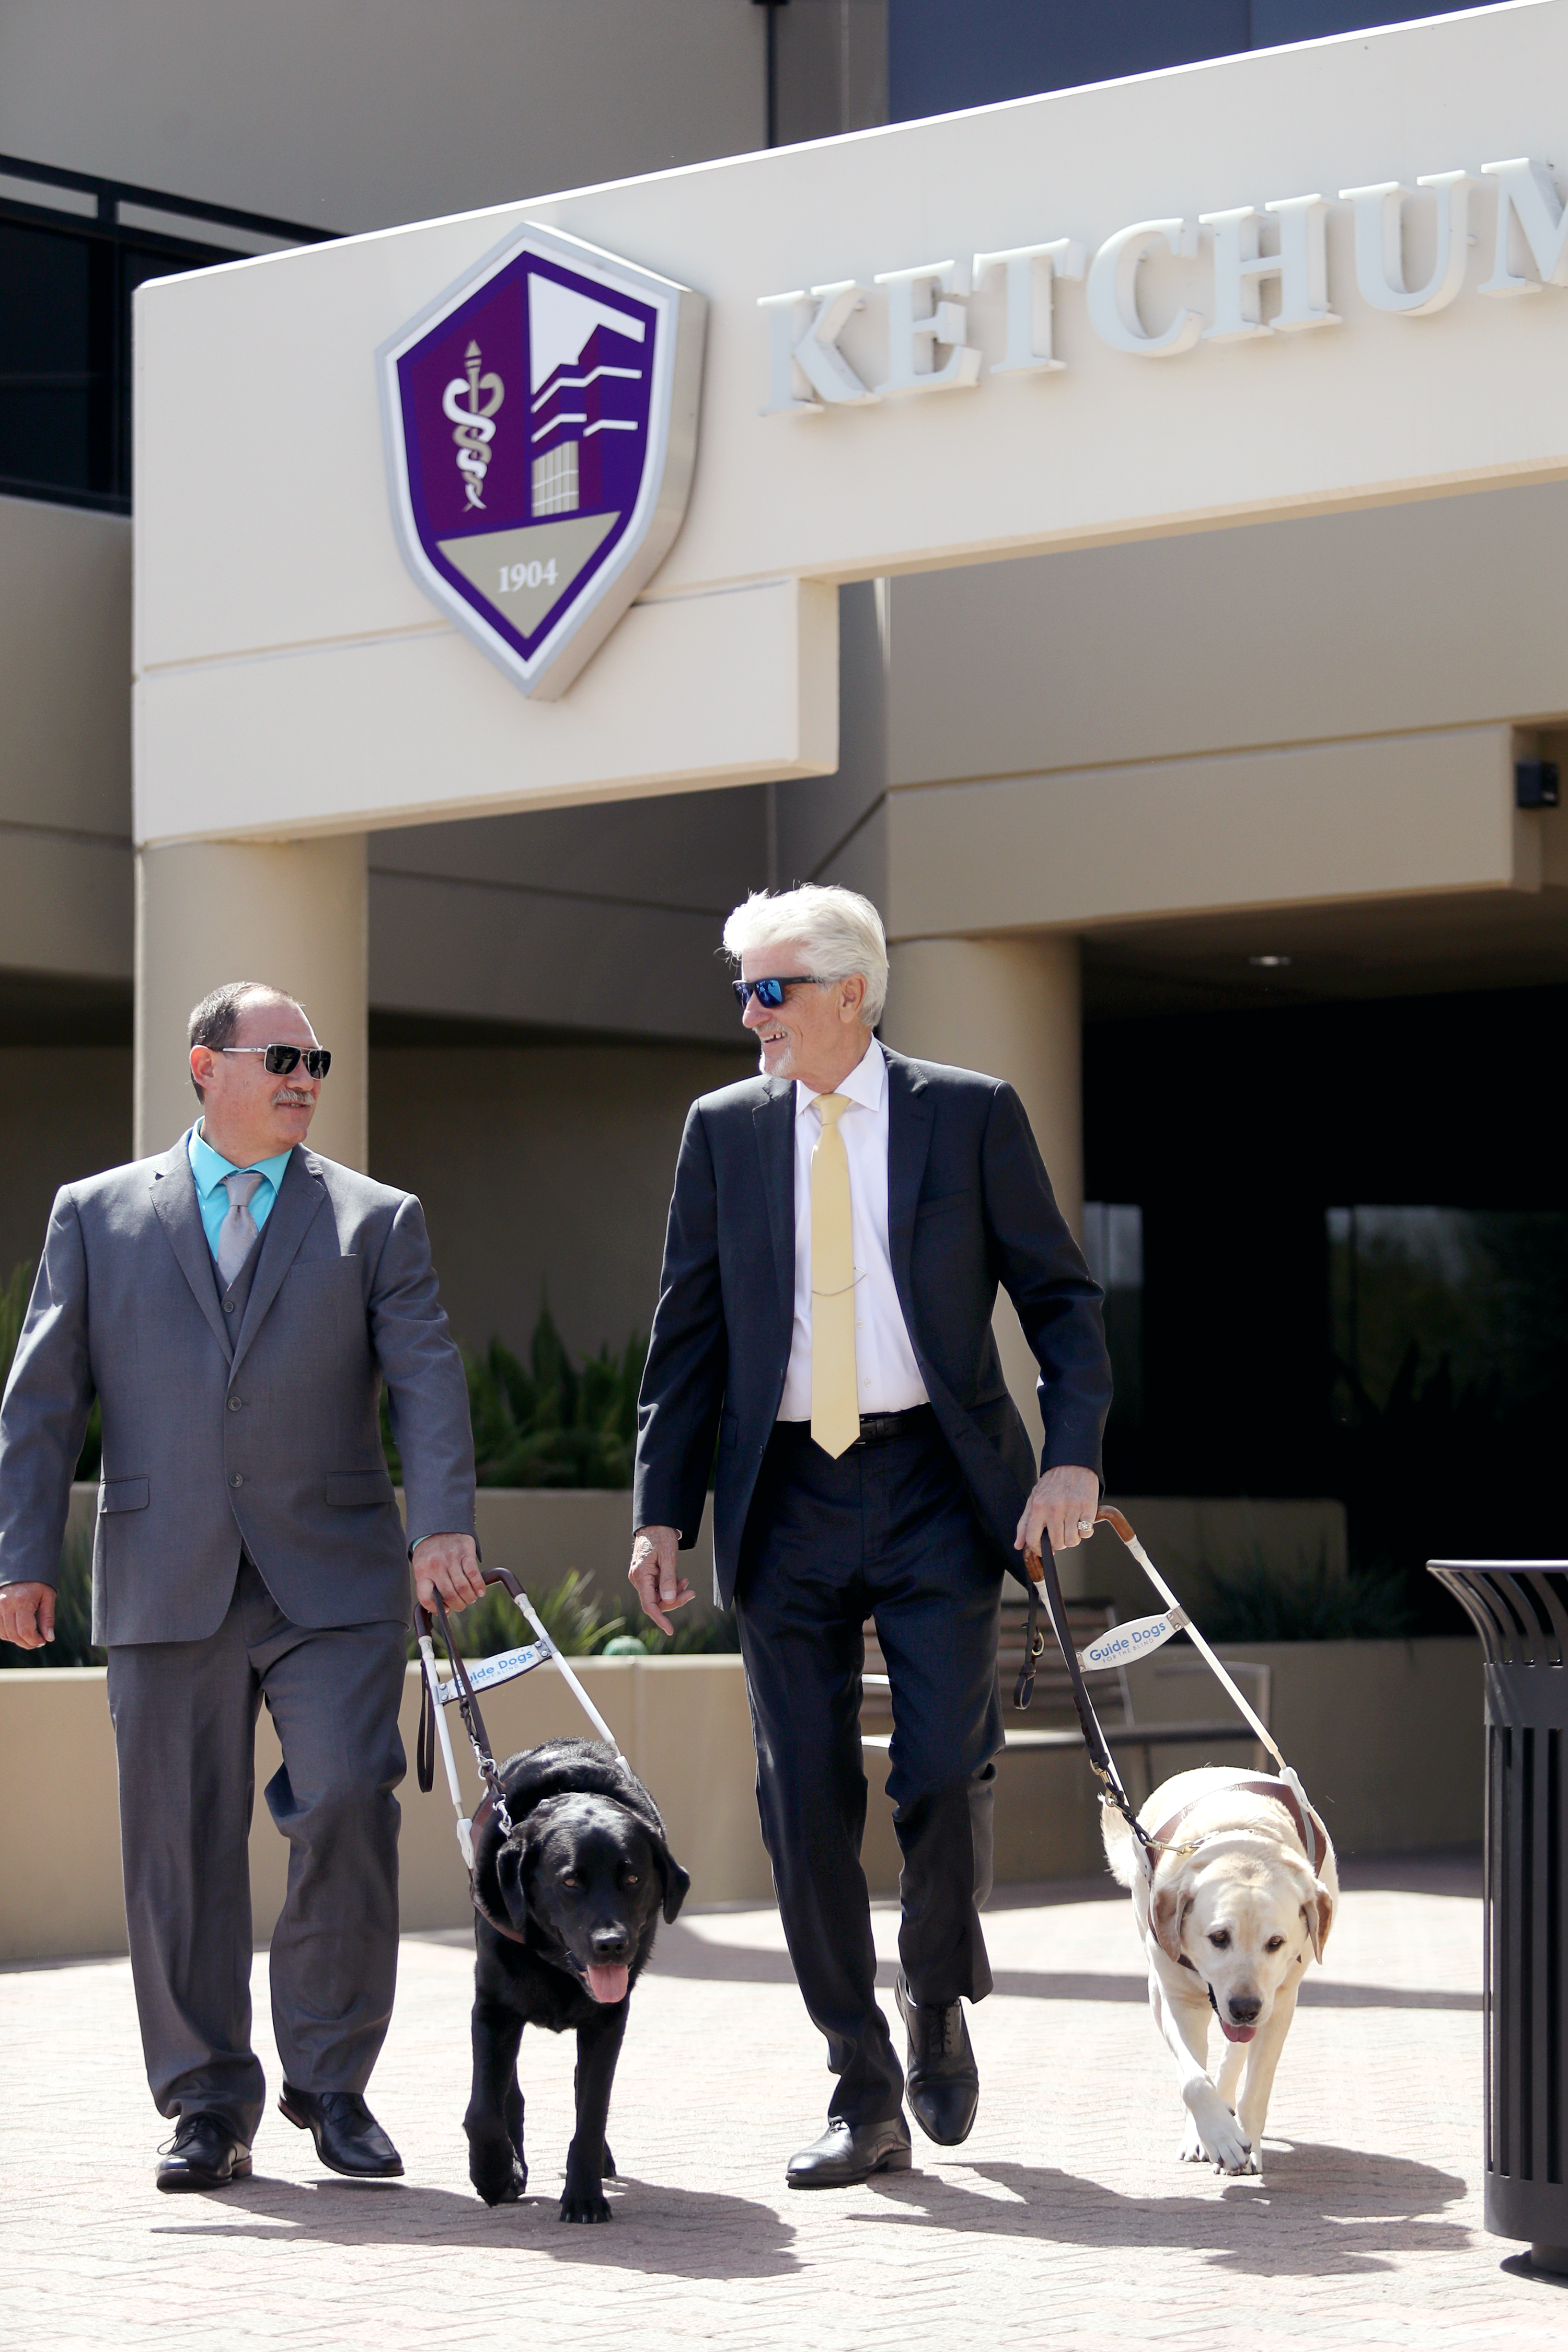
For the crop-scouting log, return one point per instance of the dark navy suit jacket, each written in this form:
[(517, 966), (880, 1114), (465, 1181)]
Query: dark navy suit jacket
[(968, 1206)]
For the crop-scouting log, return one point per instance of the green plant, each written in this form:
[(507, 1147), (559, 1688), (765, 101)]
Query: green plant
[(546, 1423), (570, 1615), (1257, 1603), (694, 1637), (72, 1645)]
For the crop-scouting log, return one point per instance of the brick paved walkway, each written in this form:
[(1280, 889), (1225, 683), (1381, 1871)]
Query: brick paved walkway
[(1064, 2222)]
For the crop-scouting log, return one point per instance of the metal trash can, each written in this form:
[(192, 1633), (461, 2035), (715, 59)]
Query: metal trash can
[(1520, 1609)]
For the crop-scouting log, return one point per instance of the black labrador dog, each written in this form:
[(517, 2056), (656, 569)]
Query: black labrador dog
[(567, 1909)]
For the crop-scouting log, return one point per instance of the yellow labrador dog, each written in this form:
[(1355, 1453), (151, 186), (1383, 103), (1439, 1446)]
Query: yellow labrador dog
[(1244, 1894)]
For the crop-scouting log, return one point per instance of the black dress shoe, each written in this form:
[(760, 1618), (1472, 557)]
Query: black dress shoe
[(943, 2081), (850, 2152), (348, 2138), (204, 2153)]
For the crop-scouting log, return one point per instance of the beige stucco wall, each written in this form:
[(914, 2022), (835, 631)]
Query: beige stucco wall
[(324, 111), (65, 1112), (64, 748), (542, 1168), (1387, 1736)]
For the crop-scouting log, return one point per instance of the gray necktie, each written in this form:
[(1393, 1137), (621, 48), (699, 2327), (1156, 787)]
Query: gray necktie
[(237, 1234)]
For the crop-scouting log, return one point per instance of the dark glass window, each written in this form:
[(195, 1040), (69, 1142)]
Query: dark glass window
[(48, 385), (69, 264)]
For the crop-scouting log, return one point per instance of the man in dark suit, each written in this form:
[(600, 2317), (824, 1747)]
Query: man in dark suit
[(235, 1305), (837, 1232)]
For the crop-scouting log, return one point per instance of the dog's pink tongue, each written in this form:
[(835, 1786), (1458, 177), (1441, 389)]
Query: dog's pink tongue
[(1231, 2033), (608, 1984)]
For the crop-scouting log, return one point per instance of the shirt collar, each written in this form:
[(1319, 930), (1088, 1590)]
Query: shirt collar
[(209, 1167), (867, 1083)]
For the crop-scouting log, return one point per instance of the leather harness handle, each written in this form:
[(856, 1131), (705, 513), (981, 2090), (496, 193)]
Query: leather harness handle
[(468, 1701), (1045, 1585)]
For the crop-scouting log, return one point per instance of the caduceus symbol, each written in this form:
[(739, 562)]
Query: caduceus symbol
[(475, 423)]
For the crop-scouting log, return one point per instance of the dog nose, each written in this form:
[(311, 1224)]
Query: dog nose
[(610, 1943), (1244, 2007)]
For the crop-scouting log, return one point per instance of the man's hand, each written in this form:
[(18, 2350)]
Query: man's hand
[(1062, 1507), (655, 1572), (449, 1565), (27, 1614)]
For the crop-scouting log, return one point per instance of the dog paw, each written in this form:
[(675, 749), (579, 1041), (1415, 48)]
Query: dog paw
[(585, 2205), (501, 2181), (1192, 2150)]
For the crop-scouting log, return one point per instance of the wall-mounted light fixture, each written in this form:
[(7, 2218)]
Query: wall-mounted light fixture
[(1269, 963)]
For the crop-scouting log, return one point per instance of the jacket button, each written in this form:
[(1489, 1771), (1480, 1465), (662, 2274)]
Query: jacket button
[(235, 1479), (234, 1403), (229, 1307)]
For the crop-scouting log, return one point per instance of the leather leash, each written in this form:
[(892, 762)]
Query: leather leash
[(492, 1806), (1043, 1579), (467, 1707)]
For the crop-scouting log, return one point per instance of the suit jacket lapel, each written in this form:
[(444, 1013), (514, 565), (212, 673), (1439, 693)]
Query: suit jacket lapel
[(774, 1123), (179, 1212), (908, 1142), (299, 1199)]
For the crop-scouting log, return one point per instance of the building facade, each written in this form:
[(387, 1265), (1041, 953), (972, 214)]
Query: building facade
[(1233, 842)]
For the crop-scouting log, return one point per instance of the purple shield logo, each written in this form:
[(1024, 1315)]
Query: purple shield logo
[(540, 420)]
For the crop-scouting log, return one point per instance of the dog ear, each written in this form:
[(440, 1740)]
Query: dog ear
[(509, 1878), (1166, 1914), (677, 1882), (1319, 1915)]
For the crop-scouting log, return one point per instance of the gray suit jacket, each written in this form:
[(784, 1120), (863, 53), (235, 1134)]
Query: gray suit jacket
[(269, 1435)]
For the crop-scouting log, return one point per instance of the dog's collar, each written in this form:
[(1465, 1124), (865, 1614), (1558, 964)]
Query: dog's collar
[(1314, 1842)]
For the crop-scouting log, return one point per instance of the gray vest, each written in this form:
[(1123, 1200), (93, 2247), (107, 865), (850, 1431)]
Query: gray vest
[(234, 1302)]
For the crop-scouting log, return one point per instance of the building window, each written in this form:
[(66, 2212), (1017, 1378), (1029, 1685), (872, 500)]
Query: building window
[(73, 250), (555, 481)]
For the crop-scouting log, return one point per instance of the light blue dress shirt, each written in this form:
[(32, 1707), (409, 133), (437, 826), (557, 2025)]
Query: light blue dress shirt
[(209, 1169)]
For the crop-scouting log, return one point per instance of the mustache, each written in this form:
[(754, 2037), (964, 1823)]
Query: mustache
[(288, 1097)]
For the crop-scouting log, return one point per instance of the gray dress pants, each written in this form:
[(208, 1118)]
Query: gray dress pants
[(185, 1729)]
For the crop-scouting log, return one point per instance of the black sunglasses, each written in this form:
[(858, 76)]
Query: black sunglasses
[(283, 1060), (770, 993)]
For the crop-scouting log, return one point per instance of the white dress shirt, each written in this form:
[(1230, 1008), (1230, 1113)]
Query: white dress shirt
[(886, 1371)]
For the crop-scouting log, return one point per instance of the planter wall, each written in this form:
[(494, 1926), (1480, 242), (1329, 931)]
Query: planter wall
[(541, 1532), (1385, 1735)]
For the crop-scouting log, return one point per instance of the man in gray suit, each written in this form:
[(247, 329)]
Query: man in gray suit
[(235, 1305)]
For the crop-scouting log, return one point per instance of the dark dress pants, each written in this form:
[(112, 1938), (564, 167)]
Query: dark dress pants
[(185, 1729), (886, 1531)]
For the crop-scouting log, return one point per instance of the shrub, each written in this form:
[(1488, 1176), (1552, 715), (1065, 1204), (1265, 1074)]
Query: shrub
[(545, 1423), (1257, 1603), (570, 1615), (694, 1637)]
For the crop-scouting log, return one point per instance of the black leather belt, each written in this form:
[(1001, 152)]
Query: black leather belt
[(877, 1428)]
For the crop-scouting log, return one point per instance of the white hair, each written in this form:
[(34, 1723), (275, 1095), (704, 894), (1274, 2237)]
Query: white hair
[(838, 933)]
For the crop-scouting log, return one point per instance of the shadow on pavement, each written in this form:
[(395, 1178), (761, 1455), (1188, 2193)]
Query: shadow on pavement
[(680, 1953), (688, 2233), (1318, 2212)]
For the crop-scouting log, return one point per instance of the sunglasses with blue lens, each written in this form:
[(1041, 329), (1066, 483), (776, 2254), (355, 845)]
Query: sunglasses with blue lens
[(770, 993)]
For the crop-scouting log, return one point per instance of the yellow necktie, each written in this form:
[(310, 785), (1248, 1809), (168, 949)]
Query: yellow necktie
[(835, 1396)]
